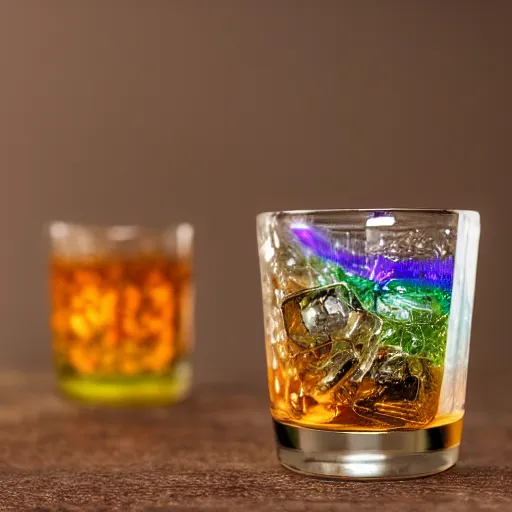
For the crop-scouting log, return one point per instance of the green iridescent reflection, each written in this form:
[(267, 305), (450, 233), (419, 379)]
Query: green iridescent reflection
[(415, 317)]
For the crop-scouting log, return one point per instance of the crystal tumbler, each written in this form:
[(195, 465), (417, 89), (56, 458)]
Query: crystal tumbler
[(122, 312), (367, 324)]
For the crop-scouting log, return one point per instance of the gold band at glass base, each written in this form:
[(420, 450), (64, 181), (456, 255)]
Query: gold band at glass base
[(368, 455)]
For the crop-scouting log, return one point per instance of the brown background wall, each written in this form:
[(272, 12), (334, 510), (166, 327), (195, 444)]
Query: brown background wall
[(124, 111)]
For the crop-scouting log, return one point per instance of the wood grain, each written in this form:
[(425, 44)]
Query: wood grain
[(215, 453)]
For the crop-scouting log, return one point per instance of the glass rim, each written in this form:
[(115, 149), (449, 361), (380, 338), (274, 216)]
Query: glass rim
[(425, 211), (60, 229)]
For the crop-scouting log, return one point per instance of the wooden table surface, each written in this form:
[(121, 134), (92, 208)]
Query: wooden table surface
[(215, 452)]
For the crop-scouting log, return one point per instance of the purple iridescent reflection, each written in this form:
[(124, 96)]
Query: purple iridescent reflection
[(378, 268)]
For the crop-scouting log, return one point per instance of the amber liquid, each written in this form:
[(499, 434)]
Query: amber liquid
[(363, 406), (117, 320)]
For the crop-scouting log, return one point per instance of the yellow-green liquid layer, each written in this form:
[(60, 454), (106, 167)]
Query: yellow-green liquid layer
[(141, 390)]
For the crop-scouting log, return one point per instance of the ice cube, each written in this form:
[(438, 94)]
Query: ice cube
[(286, 268), (333, 316), (399, 390)]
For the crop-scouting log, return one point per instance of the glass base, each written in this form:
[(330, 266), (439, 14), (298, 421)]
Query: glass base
[(391, 455), (139, 390)]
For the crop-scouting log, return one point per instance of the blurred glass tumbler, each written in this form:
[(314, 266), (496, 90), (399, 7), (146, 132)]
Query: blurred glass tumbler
[(367, 323), (122, 313)]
